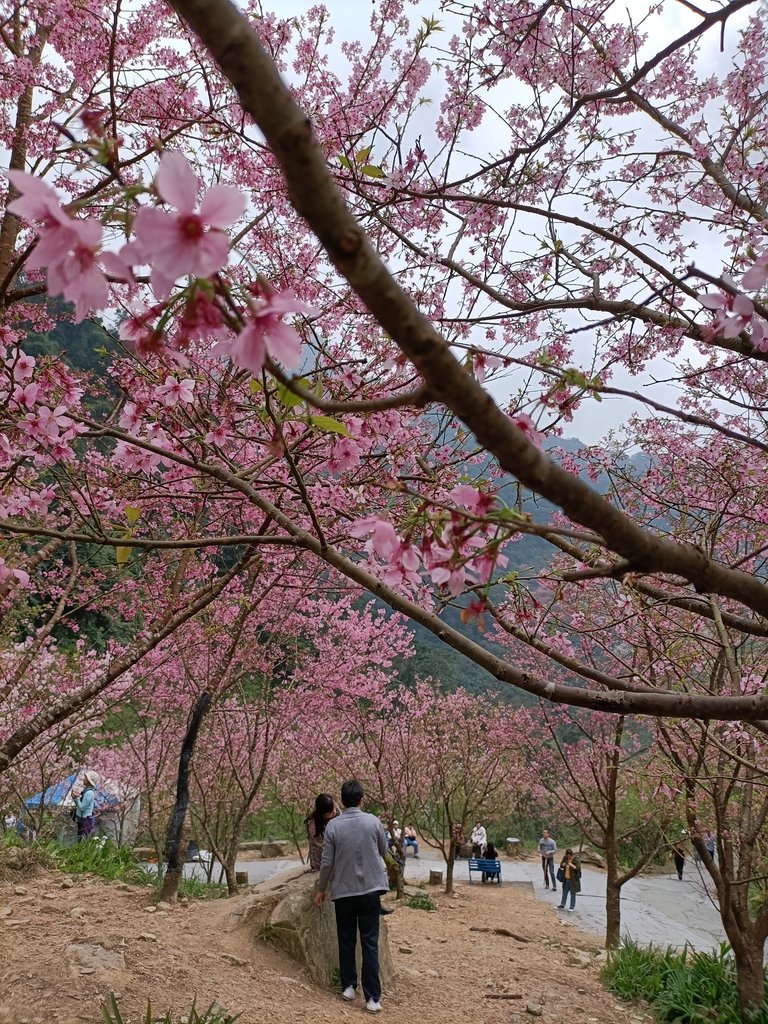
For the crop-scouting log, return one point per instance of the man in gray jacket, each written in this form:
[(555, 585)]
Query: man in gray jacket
[(353, 852)]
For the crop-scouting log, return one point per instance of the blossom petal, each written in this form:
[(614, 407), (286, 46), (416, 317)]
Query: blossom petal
[(283, 343), (222, 205), (177, 182)]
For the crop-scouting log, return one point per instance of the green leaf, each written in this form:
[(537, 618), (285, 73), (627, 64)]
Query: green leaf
[(344, 161), (132, 514), (329, 424), (287, 397), (254, 386), (122, 555), (373, 171), (362, 155)]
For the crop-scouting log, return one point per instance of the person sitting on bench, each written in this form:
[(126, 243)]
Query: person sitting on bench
[(410, 840), (490, 854)]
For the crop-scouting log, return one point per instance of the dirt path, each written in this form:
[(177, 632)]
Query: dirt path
[(64, 947)]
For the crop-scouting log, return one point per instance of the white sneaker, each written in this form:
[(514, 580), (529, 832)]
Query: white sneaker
[(373, 1006), (348, 993), (571, 910)]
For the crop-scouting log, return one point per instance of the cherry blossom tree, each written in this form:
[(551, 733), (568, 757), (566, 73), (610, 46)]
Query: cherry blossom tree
[(637, 306), (597, 774)]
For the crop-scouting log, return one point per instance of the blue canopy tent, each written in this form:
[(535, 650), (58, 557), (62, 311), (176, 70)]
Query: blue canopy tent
[(116, 807), (59, 795)]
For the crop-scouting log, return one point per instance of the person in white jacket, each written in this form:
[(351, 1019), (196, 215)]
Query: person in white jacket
[(479, 838)]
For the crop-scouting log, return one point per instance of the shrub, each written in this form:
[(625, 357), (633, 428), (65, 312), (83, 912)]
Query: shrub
[(682, 987), (213, 1015), (421, 901)]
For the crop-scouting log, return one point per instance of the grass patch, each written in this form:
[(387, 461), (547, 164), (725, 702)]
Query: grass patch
[(682, 987), (422, 901), (213, 1015), (105, 859), (197, 889), (99, 857)]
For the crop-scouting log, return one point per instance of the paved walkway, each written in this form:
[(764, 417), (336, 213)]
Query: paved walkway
[(656, 909)]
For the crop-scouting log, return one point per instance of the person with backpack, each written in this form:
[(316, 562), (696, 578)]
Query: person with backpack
[(84, 810), (569, 876)]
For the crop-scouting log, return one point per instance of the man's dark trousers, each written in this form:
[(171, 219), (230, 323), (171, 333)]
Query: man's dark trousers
[(363, 913)]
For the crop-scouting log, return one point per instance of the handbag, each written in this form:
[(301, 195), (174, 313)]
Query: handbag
[(560, 875)]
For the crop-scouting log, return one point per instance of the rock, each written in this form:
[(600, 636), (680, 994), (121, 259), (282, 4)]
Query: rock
[(534, 1009), (87, 970), (578, 958), (19, 890), (277, 848), (148, 936), (162, 906), (234, 959), (78, 912), (413, 890), (404, 949), (431, 972), (590, 857), (91, 955), (151, 909), (308, 934), (67, 884), (510, 935), (5, 912)]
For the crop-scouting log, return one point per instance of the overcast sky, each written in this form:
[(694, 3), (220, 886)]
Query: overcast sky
[(350, 20)]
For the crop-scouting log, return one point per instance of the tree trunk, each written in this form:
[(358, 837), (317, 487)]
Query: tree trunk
[(750, 978), (229, 870), (612, 914), (178, 826), (449, 869)]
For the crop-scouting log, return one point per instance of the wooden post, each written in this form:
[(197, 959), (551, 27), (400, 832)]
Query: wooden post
[(435, 877)]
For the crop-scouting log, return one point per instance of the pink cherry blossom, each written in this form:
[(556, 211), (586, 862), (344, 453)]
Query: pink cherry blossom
[(38, 202), (69, 249), (24, 367), (757, 275), (9, 575), (175, 392), (453, 577), (219, 435), (524, 422), (739, 306), (471, 498), (187, 241), (267, 335)]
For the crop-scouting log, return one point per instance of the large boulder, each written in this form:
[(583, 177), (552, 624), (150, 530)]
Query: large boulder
[(308, 935), (276, 848), (592, 857)]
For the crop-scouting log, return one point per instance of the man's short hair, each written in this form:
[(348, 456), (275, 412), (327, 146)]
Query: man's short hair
[(351, 793)]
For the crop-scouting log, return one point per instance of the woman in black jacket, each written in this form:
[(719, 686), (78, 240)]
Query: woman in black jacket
[(569, 876)]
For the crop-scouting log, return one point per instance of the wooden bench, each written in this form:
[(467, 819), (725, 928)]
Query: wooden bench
[(489, 869)]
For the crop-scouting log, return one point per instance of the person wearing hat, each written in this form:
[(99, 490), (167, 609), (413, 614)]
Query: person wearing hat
[(85, 819)]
